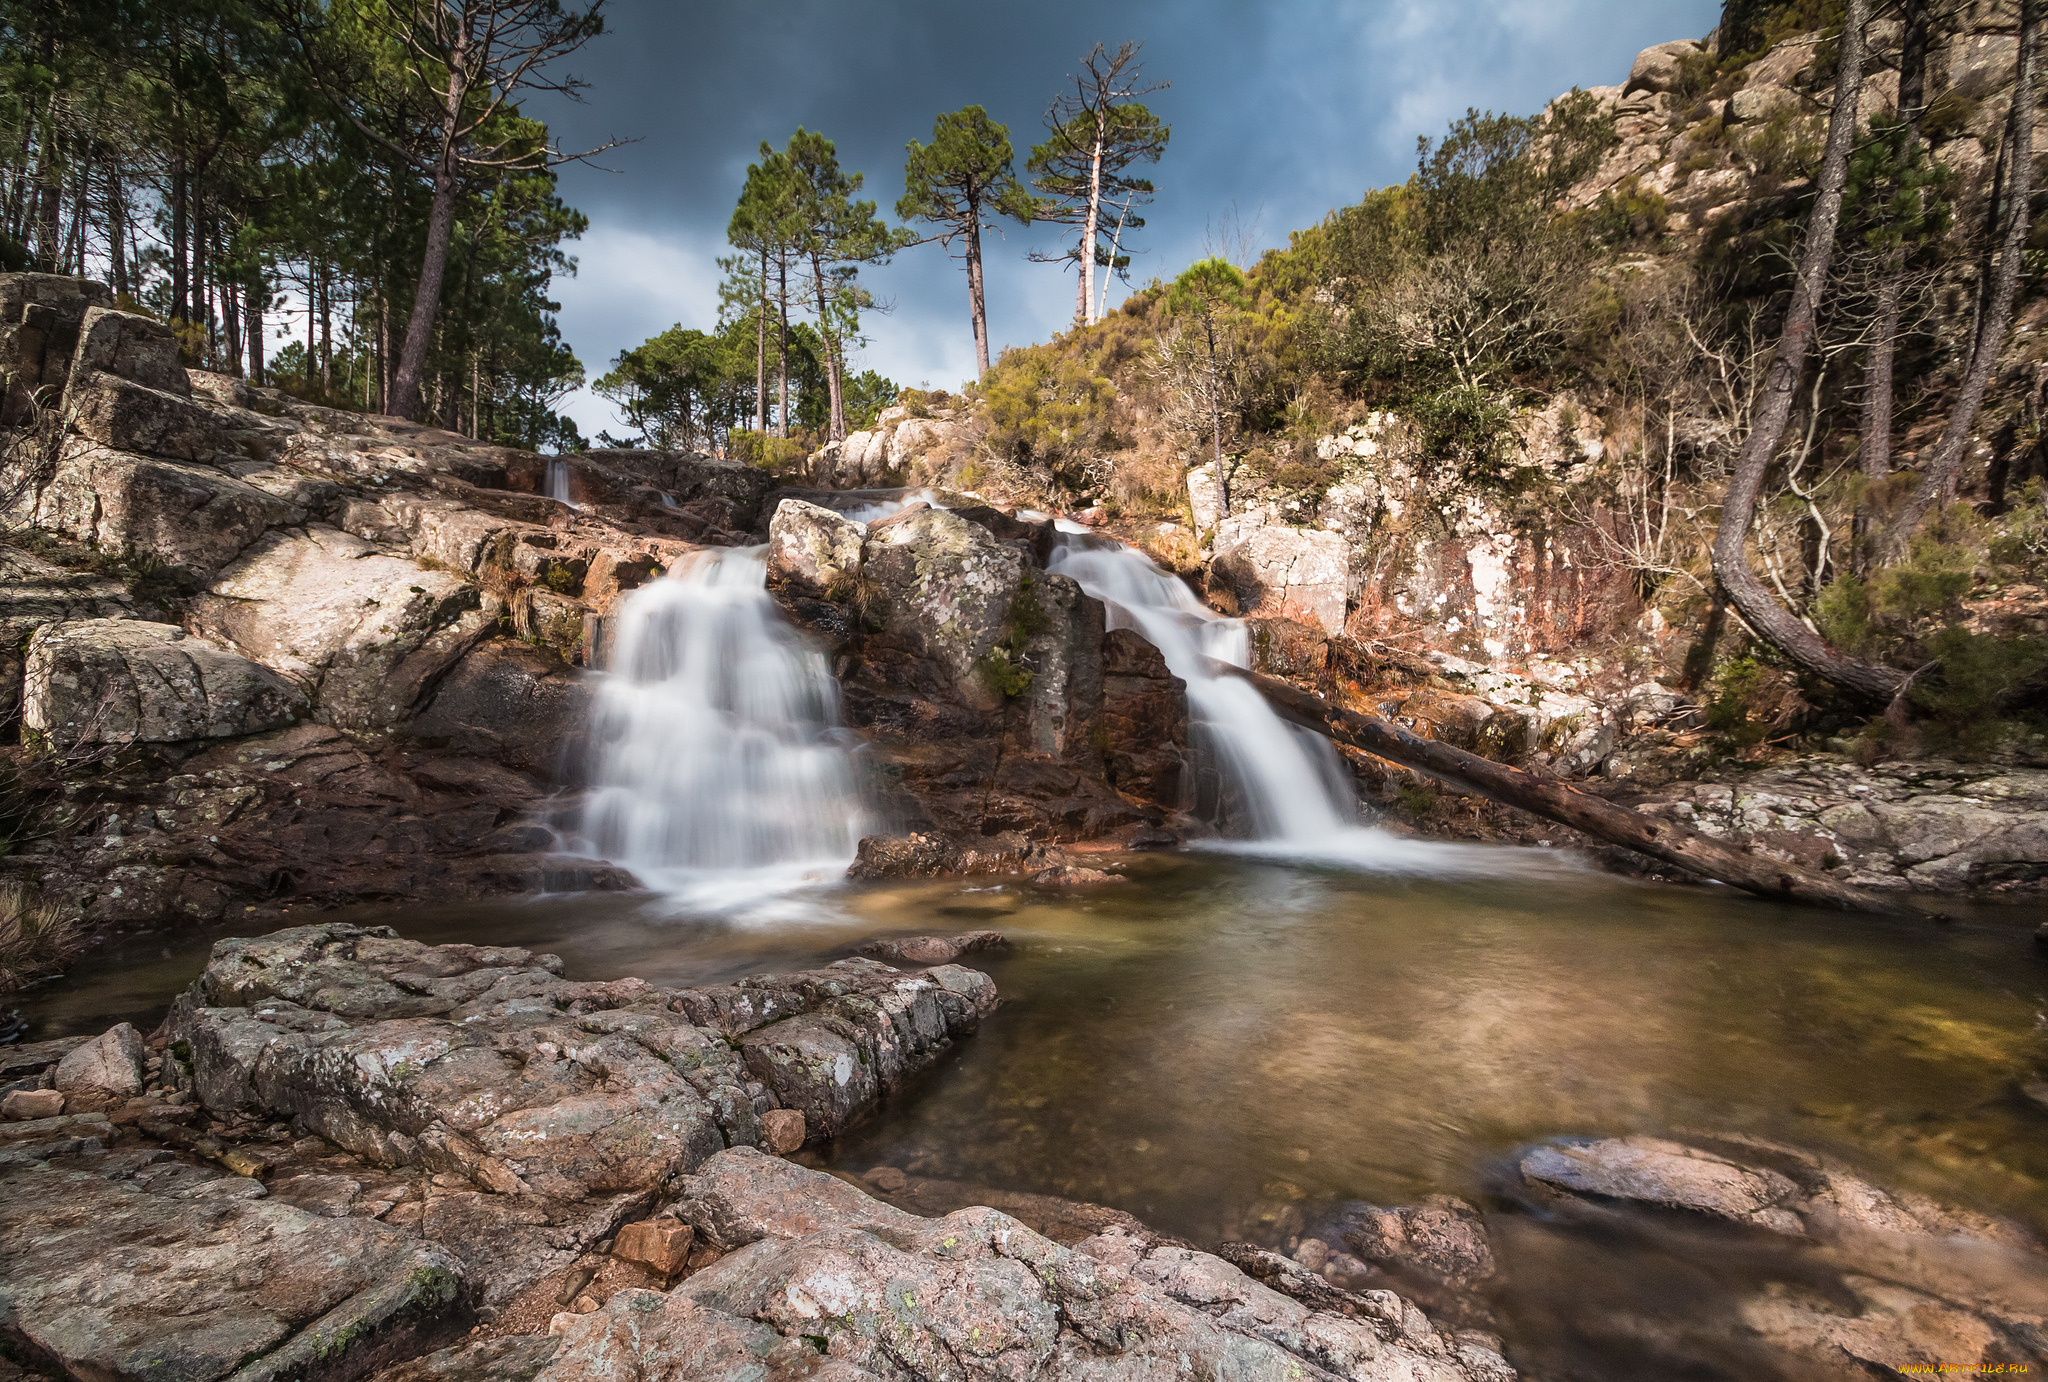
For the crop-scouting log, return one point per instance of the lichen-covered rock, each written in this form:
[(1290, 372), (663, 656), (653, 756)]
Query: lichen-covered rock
[(129, 1272), (40, 318), (483, 1064), (1300, 573), (813, 549), (126, 681), (193, 519), (123, 415), (367, 631), (131, 347), (944, 587), (1442, 1237), (1657, 69)]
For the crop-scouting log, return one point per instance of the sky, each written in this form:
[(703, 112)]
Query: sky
[(1281, 110)]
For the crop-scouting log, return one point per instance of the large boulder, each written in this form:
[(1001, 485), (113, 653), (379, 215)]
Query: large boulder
[(193, 519), (1300, 573), (1657, 69), (818, 1275), (512, 703), (1144, 719), (127, 416), (370, 632), (129, 347), (33, 593), (944, 587), (40, 319), (125, 681), (812, 549)]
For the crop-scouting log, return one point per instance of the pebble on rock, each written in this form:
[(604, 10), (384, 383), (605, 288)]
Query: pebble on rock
[(782, 1130), (661, 1245)]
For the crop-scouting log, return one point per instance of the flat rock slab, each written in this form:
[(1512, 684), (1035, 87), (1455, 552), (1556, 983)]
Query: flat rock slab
[(557, 1108), (172, 1271), (127, 681)]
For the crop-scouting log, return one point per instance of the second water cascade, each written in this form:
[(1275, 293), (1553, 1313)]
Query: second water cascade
[(722, 773)]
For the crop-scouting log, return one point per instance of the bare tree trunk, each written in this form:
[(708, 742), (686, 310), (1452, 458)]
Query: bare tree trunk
[(426, 301), (116, 230), (325, 280), (836, 429), (1666, 841), (782, 357), (974, 297), (253, 293), (51, 193), (1938, 482), (1087, 312), (1758, 607), (761, 349), (1216, 422)]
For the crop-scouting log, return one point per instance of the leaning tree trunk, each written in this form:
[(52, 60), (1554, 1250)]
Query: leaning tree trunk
[(426, 301), (1938, 483), (1757, 606), (974, 293), (1665, 841)]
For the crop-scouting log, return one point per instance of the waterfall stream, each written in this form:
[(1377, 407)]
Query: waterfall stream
[(1284, 790), (722, 772), (558, 481)]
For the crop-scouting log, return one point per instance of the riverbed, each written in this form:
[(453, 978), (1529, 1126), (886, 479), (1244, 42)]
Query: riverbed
[(1229, 1046)]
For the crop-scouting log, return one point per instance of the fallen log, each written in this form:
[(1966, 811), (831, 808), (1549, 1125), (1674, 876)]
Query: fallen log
[(1666, 841)]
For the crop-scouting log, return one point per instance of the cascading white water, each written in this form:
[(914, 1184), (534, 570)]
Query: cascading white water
[(1289, 790), (722, 772), (1287, 783), (558, 481)]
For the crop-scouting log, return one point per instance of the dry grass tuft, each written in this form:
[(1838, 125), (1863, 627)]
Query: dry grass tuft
[(36, 937)]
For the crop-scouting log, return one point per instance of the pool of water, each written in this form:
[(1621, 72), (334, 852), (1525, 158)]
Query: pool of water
[(1222, 1036)]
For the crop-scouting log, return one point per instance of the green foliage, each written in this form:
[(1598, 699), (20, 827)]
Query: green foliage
[(2019, 541), (1628, 212), (1896, 194), (1049, 409), (684, 388), (1472, 429), (1966, 697), (1950, 114), (1742, 693), (867, 393), (1785, 145), (767, 451)]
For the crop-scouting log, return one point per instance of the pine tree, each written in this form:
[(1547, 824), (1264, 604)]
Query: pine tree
[(961, 182)]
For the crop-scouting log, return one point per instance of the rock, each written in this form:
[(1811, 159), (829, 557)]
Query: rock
[(123, 1276), (660, 1245), (108, 1068), (887, 1179), (125, 681), (512, 703), (1657, 69), (932, 950), (40, 319), (782, 1130), (129, 347), (933, 856), (20, 1104), (368, 632), (566, 1105), (1654, 1171), (193, 519), (1144, 719), (1755, 104), (1291, 572), (943, 588), (1443, 1238), (813, 549), (29, 1061), (122, 415)]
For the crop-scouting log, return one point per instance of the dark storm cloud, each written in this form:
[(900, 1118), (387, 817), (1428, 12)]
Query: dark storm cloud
[(1281, 110)]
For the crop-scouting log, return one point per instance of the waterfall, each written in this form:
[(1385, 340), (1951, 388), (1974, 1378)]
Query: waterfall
[(1285, 783), (1283, 787), (722, 773), (558, 481)]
